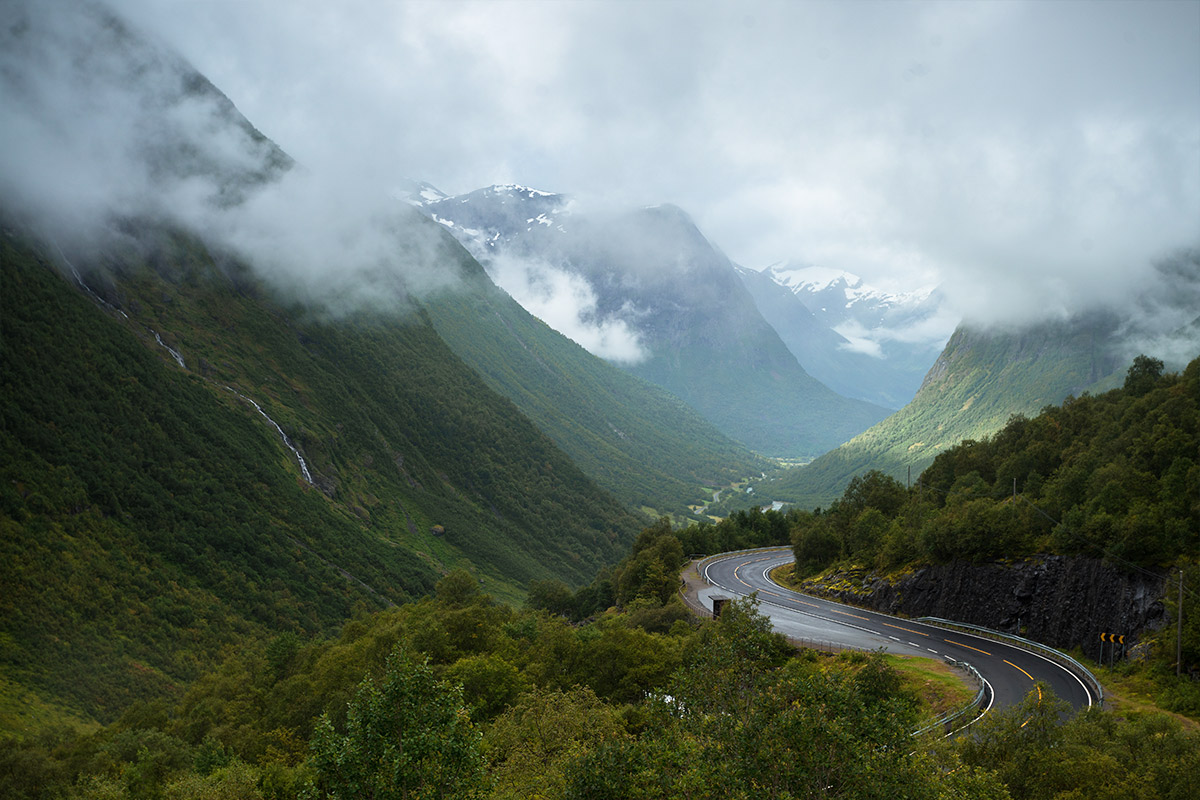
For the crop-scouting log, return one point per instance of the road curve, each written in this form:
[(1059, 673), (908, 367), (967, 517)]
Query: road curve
[(1009, 670)]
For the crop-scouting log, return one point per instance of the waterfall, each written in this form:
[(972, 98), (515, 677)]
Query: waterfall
[(84, 286), (174, 353), (179, 360), (286, 441)]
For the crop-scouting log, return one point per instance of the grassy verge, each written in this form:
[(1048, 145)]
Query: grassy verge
[(1133, 687), (940, 688), (784, 577)]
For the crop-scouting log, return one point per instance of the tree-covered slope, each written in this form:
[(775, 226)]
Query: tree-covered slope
[(646, 446), (152, 515), (1113, 476), (981, 379)]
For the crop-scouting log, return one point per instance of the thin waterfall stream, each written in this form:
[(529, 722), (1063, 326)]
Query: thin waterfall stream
[(179, 360), (286, 440)]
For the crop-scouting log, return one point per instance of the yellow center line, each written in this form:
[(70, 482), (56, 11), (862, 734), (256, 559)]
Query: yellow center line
[(814, 605), (1014, 666), (848, 614), (768, 591), (960, 644), (1027, 675), (902, 628)]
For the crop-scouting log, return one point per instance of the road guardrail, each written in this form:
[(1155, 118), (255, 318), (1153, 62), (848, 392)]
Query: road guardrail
[(950, 717), (1057, 656)]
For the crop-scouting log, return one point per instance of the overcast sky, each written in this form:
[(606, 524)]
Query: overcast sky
[(1017, 153)]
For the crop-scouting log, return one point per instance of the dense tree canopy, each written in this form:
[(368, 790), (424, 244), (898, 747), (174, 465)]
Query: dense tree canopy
[(1114, 476), (459, 696)]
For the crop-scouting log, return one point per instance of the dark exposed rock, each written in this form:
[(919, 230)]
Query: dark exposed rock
[(1060, 601)]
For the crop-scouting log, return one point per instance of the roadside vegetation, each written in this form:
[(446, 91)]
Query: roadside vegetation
[(613, 690), (458, 696)]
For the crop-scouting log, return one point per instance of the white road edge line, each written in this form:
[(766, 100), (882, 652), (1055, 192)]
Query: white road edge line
[(1086, 691)]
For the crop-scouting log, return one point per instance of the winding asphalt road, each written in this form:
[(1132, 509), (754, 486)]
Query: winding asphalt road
[(1009, 670)]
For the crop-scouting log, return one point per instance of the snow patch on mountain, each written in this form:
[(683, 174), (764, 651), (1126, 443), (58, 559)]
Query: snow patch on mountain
[(417, 193), (518, 189), (849, 288), (486, 221), (867, 316)]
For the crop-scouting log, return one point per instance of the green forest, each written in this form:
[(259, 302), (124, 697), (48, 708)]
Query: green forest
[(978, 381), (1115, 475), (458, 696)]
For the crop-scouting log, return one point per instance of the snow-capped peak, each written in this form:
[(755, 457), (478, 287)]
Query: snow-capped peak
[(417, 193), (516, 188), (814, 280)]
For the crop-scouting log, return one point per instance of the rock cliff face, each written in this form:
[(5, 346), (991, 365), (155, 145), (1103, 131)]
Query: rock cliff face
[(1059, 601)]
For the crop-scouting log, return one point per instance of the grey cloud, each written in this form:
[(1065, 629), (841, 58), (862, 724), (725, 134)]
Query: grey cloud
[(103, 126), (567, 302), (1024, 155)]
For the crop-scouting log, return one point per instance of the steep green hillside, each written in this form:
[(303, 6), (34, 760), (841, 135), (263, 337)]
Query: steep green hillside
[(1118, 470), (152, 516), (981, 379), (639, 442), (1113, 476)]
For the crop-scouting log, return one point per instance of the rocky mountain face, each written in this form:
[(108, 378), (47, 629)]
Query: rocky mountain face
[(650, 278), (861, 342), (842, 299), (1056, 600)]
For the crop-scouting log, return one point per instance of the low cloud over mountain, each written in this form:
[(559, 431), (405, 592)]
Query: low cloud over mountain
[(103, 126)]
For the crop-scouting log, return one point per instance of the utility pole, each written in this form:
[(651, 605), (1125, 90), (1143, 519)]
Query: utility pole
[(1179, 628)]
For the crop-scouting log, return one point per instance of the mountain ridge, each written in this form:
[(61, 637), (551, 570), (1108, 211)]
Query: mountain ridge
[(416, 467), (651, 272), (982, 378), (860, 341)]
